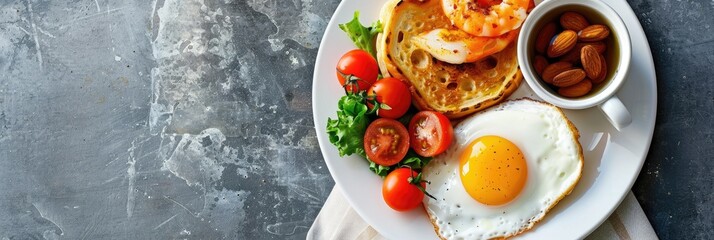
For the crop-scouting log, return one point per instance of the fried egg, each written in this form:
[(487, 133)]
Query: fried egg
[(507, 167)]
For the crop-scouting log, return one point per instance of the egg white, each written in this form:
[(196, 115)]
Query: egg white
[(553, 156)]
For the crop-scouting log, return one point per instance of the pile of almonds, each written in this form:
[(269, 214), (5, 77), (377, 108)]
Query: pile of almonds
[(572, 59)]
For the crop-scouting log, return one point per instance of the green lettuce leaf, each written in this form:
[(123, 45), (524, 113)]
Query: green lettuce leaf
[(363, 37), (411, 160), (347, 131), (414, 161), (380, 170)]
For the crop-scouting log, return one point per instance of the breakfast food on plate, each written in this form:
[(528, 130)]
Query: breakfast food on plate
[(392, 98), (373, 114), (574, 58), (416, 34), (403, 189), (357, 69), (488, 18), (500, 170), (456, 47), (508, 166), (387, 141), (562, 43), (430, 133)]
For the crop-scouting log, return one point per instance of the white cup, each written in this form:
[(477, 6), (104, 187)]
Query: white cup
[(604, 97)]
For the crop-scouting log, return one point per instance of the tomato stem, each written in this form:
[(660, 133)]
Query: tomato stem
[(425, 192), (416, 181), (377, 105), (351, 80)]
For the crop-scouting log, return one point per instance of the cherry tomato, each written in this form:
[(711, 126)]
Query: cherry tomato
[(386, 141), (430, 133), (359, 66), (393, 93), (399, 192)]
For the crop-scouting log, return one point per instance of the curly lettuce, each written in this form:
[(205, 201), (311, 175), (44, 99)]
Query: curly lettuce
[(380, 170), (347, 131), (363, 37), (412, 160)]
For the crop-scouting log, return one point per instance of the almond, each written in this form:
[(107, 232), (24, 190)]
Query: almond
[(593, 33), (544, 37), (603, 72), (539, 63), (554, 69), (573, 56), (600, 47), (562, 43), (591, 62), (577, 90), (569, 77), (573, 21)]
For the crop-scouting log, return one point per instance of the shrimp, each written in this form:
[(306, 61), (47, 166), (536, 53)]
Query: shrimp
[(455, 46), (486, 18)]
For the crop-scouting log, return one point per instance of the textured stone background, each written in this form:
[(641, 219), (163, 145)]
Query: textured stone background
[(192, 119), (675, 186)]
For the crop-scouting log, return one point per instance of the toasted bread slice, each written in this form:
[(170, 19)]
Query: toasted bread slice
[(455, 90)]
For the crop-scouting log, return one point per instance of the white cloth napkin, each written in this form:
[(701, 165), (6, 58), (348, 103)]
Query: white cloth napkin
[(337, 220)]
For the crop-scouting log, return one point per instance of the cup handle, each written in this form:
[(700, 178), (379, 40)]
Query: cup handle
[(616, 113)]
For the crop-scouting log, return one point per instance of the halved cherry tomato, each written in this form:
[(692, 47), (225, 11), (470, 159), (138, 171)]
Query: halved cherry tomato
[(430, 133), (393, 93), (400, 190), (357, 67), (386, 141)]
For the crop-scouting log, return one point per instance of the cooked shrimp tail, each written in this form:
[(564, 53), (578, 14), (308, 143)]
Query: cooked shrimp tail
[(486, 18)]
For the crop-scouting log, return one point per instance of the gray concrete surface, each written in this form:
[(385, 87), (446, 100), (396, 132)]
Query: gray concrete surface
[(675, 184), (135, 119)]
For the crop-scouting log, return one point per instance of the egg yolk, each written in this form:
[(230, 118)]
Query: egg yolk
[(493, 170)]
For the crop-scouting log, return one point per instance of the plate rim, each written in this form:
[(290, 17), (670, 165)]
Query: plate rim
[(650, 133)]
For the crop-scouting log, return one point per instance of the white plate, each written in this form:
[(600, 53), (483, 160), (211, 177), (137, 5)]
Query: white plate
[(612, 163)]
